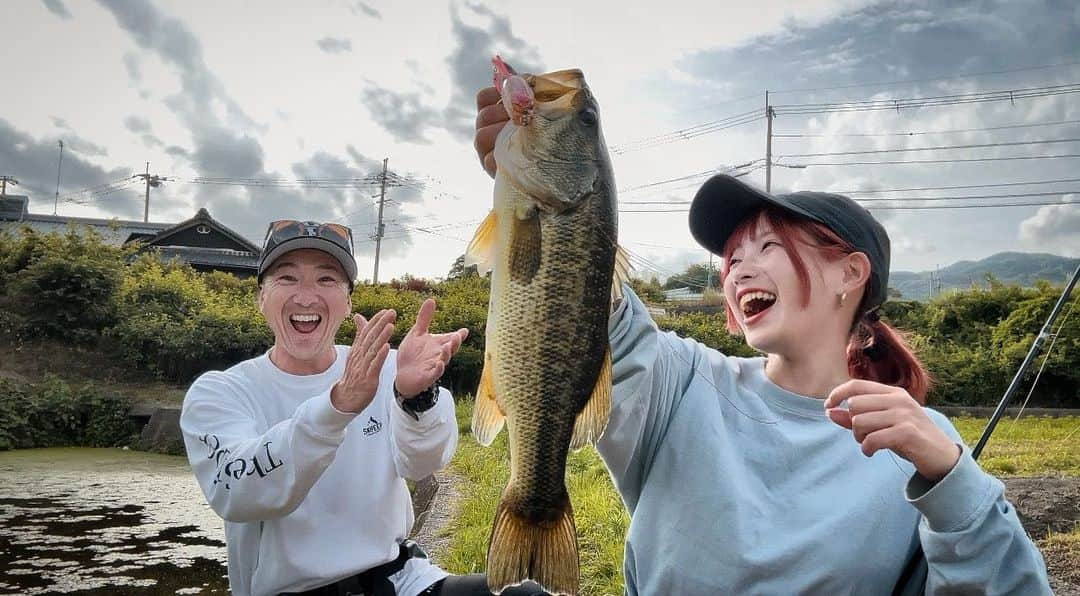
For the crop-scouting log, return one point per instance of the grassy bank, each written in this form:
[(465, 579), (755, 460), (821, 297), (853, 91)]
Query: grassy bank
[(1029, 447)]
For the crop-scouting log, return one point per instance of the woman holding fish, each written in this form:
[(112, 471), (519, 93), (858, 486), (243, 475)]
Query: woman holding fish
[(814, 469)]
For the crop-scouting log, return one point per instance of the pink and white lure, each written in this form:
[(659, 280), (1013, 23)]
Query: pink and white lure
[(517, 94)]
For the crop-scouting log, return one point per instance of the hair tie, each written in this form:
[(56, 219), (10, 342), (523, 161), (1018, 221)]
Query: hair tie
[(872, 316), (874, 351)]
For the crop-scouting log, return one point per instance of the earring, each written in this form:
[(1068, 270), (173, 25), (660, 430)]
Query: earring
[(843, 297)]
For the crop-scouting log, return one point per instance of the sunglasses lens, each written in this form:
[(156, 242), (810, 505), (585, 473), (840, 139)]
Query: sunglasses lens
[(285, 229)]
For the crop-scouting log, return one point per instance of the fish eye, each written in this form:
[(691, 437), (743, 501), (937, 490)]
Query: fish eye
[(587, 117)]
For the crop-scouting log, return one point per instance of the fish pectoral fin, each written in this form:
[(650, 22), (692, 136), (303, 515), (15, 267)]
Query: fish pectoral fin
[(488, 417), (525, 248), (622, 273), (592, 420), (481, 250), (544, 550)]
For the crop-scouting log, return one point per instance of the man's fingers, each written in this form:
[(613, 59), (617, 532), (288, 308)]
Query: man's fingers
[(494, 114), (489, 164), (381, 324), (423, 318), (486, 97), (377, 361), (360, 322)]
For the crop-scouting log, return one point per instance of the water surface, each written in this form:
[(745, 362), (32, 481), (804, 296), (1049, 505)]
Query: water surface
[(106, 521)]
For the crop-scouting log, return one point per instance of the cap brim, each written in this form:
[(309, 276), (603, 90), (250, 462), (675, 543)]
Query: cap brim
[(348, 263), (722, 203)]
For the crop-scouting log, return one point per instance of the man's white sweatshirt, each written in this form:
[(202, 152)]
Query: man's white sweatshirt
[(309, 494)]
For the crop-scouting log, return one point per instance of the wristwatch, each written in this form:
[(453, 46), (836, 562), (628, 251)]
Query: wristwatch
[(421, 402)]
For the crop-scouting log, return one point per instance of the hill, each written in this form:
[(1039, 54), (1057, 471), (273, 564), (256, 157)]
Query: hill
[(1008, 267)]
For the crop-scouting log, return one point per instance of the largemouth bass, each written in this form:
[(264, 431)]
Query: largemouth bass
[(550, 242)]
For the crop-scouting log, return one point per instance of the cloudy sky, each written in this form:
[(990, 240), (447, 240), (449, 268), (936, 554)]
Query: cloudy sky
[(235, 102)]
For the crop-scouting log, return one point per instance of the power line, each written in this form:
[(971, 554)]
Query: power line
[(908, 81), (903, 161), (934, 101), (900, 207), (689, 132), (903, 199), (925, 132), (957, 198), (1000, 184), (937, 148)]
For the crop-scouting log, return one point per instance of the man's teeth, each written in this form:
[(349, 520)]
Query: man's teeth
[(305, 318)]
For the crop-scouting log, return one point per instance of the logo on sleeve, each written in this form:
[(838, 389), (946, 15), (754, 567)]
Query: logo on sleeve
[(373, 426)]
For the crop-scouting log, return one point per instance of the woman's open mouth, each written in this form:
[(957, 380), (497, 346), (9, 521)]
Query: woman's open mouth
[(305, 323), (755, 304)]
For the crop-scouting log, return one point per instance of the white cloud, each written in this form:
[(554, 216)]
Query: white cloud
[(1055, 228)]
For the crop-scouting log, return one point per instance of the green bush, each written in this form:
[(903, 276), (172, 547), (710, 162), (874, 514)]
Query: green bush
[(60, 285), (52, 414)]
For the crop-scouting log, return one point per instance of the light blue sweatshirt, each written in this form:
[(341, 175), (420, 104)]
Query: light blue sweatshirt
[(736, 486)]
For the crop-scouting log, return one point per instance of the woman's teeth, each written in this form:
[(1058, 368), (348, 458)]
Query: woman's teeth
[(752, 303)]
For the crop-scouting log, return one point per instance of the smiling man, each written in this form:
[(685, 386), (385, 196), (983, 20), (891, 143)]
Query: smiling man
[(304, 451)]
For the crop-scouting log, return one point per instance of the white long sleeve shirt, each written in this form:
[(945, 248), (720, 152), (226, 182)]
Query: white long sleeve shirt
[(309, 494)]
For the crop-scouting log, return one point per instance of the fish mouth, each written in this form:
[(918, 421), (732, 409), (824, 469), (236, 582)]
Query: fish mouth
[(557, 91), (305, 323)]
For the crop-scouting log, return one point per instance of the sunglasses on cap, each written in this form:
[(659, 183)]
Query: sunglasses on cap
[(288, 229)]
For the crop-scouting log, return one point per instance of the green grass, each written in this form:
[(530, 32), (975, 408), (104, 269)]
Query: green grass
[(1029, 447), (599, 513)]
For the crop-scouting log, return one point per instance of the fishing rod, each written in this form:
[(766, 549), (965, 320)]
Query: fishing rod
[(1036, 346), (916, 570)]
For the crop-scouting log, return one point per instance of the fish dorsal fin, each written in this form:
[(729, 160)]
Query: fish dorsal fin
[(488, 417), (591, 421), (481, 250), (622, 273)]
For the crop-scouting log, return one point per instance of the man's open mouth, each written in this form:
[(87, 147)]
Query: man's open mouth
[(305, 323), (754, 303)]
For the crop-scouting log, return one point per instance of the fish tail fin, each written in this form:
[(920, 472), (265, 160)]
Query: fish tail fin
[(592, 420), (520, 549)]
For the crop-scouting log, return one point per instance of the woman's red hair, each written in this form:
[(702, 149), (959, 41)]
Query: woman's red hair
[(875, 351)]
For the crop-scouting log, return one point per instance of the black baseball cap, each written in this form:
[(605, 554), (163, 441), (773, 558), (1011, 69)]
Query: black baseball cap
[(287, 235), (723, 202)]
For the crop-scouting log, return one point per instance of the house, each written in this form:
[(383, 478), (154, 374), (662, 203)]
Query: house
[(207, 245), (202, 242), (15, 214), (683, 295)]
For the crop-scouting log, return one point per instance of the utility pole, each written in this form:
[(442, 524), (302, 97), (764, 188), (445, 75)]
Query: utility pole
[(4, 182), (380, 228), (768, 143), (708, 275), (56, 201), (154, 181)]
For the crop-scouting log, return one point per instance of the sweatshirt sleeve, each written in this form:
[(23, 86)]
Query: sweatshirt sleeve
[(973, 540), (250, 475), (423, 446), (650, 372)]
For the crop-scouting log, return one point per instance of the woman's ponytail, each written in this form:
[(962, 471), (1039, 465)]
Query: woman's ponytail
[(879, 353)]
